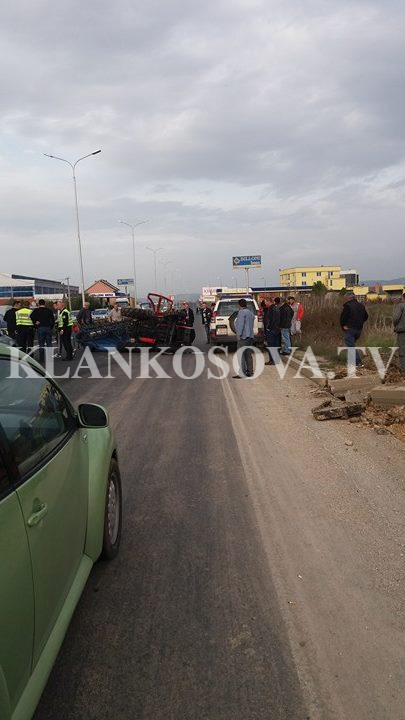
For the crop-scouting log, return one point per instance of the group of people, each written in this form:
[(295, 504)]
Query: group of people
[(281, 320), (24, 321)]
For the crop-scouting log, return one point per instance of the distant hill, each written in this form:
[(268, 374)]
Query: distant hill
[(395, 281)]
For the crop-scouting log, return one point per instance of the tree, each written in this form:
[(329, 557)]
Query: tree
[(77, 303), (319, 288)]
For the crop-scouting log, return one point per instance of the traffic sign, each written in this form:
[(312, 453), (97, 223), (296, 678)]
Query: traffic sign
[(244, 262), (125, 281)]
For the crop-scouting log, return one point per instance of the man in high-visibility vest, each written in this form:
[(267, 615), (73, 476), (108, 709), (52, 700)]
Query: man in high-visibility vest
[(65, 324), (24, 327)]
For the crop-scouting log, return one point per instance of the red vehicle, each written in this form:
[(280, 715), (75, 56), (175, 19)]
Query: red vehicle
[(161, 326)]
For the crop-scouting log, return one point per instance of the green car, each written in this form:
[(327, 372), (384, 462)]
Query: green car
[(60, 510)]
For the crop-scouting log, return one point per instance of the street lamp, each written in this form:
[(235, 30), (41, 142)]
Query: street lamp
[(155, 252), (73, 166), (142, 222), (264, 281), (165, 263)]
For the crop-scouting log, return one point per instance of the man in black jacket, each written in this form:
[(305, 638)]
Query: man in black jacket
[(43, 320), (189, 314), (84, 316), (271, 321), (352, 319), (10, 319)]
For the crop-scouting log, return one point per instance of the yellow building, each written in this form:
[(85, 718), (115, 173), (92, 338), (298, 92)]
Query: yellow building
[(360, 291), (329, 275), (393, 291)]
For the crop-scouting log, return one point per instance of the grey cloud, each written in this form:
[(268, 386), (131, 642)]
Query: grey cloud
[(297, 106)]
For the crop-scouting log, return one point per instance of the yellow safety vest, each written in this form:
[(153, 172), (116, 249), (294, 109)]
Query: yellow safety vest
[(23, 317), (60, 318)]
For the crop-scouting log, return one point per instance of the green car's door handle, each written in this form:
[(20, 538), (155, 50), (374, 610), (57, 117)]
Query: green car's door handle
[(37, 516)]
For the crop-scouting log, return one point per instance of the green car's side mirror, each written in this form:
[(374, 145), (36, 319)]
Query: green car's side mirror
[(92, 416)]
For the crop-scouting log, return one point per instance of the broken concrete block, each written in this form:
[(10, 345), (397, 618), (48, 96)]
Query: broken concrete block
[(388, 395), (364, 382), (330, 413), (356, 395), (354, 408), (327, 411)]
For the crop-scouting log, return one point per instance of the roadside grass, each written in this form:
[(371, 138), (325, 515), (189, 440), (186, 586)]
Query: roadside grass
[(321, 330)]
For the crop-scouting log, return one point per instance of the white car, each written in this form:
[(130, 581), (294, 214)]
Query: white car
[(222, 326), (100, 314)]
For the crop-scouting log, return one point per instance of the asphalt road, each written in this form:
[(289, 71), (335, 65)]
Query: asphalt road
[(260, 575)]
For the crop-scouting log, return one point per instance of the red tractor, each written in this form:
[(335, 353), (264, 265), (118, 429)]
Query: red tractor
[(161, 326)]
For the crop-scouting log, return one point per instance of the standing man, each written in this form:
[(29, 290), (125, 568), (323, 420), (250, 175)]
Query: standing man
[(244, 332), (271, 320), (286, 317), (10, 319), (352, 319), (43, 319), (206, 320), (399, 327), (65, 324), (84, 315), (298, 315), (189, 319), (115, 314), (24, 327)]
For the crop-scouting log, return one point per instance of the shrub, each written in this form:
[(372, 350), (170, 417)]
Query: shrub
[(321, 327)]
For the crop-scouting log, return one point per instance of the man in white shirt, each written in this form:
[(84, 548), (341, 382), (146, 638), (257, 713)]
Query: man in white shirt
[(244, 332)]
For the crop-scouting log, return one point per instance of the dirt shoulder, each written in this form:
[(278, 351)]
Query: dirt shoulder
[(329, 502)]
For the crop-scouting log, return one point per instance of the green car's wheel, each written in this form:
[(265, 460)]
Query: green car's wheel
[(113, 513)]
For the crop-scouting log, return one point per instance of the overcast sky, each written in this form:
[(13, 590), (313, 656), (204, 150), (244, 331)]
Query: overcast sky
[(232, 126)]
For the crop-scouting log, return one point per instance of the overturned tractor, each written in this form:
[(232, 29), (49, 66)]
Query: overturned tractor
[(159, 327)]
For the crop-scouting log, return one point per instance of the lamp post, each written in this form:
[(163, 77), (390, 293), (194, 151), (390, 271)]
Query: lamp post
[(142, 222), (165, 263), (155, 252), (264, 281), (73, 166)]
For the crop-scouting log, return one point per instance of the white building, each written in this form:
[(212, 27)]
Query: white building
[(23, 286)]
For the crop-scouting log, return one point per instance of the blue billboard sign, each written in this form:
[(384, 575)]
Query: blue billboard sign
[(125, 281), (245, 262)]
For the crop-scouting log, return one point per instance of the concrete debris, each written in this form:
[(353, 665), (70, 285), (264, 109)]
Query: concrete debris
[(356, 395), (327, 411), (388, 395), (363, 383)]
